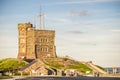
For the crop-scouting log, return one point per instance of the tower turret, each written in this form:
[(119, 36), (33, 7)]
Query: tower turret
[(22, 34)]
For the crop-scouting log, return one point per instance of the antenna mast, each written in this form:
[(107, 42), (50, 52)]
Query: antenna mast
[(41, 19)]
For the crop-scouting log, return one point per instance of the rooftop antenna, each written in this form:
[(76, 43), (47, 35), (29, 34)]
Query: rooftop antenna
[(41, 19)]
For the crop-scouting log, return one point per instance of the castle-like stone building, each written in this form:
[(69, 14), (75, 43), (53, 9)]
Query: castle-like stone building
[(38, 46), (35, 43)]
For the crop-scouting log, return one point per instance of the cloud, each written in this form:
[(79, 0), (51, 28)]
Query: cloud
[(81, 12), (87, 43), (116, 30), (103, 0), (75, 32), (61, 18), (69, 2)]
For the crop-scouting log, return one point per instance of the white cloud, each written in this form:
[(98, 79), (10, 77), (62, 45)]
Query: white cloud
[(115, 30), (81, 12), (81, 2)]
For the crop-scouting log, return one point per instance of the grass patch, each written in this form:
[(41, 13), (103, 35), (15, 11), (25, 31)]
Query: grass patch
[(65, 63), (11, 63), (5, 77), (80, 67), (55, 65)]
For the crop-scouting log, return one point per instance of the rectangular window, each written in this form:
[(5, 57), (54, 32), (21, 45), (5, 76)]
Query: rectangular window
[(46, 49), (41, 49)]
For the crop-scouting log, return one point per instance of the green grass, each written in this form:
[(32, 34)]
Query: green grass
[(11, 63), (67, 64), (5, 77), (80, 67), (54, 65)]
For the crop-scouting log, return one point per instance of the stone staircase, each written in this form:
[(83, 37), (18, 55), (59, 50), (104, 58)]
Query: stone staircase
[(95, 68), (28, 65)]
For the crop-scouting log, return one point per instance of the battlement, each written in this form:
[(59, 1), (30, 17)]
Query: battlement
[(25, 25)]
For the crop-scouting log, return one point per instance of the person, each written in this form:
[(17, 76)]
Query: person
[(97, 74)]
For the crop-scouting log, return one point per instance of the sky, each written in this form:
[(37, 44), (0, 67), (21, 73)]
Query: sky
[(86, 30)]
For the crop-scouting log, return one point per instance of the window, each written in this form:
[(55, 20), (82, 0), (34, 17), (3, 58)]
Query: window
[(46, 40), (41, 49), (41, 40), (44, 49)]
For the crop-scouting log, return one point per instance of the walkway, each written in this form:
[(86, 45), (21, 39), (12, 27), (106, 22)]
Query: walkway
[(69, 78)]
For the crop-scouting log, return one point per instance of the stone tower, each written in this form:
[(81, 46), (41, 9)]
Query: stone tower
[(22, 39), (35, 43)]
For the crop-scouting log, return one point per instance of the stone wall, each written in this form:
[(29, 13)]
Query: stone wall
[(35, 43)]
